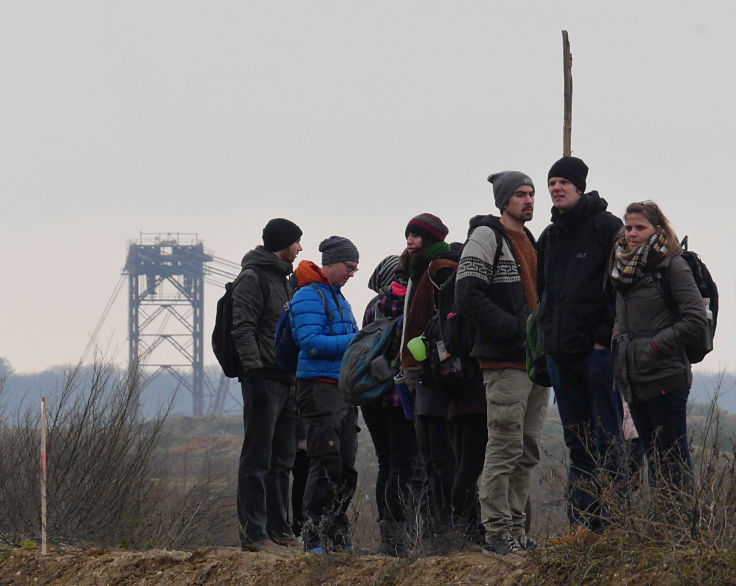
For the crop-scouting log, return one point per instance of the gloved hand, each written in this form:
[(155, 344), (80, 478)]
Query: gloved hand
[(258, 392)]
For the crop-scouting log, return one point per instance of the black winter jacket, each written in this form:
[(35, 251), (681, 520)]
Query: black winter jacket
[(576, 298), (492, 297), (255, 317)]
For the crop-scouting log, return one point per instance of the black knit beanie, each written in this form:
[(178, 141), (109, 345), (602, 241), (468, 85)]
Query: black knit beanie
[(338, 249), (427, 226), (280, 233), (571, 168)]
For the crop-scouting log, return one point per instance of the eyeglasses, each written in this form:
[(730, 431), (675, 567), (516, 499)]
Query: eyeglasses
[(352, 269)]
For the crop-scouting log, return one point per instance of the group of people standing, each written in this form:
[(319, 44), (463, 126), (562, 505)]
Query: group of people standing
[(460, 462)]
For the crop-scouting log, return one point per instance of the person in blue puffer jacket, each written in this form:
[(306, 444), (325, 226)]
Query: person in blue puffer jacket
[(323, 325)]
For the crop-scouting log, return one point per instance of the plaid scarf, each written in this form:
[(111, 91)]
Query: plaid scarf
[(629, 265)]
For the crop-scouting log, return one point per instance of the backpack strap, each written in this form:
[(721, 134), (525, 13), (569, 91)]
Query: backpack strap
[(324, 302), (664, 284)]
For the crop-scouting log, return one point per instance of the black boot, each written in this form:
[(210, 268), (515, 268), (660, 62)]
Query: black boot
[(394, 537)]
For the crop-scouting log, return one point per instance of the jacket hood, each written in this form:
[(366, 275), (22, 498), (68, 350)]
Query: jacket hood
[(495, 222), (260, 257), (489, 220), (308, 272), (590, 203)]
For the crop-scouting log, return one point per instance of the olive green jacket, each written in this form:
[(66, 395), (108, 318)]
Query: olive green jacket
[(649, 339)]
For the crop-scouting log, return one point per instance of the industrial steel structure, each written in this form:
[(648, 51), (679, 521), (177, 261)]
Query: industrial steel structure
[(166, 280)]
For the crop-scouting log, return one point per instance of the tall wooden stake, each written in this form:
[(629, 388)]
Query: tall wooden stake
[(44, 549), (567, 71)]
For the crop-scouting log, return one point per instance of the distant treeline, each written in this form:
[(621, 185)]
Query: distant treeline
[(23, 389)]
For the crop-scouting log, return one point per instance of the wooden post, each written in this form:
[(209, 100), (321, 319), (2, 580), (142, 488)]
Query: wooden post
[(567, 72), (44, 549)]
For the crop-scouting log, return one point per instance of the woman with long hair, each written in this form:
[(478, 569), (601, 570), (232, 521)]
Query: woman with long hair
[(428, 262), (659, 310)]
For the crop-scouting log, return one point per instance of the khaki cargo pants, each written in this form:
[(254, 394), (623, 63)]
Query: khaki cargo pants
[(516, 410)]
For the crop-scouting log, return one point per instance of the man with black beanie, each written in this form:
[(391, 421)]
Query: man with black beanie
[(269, 406), (577, 308)]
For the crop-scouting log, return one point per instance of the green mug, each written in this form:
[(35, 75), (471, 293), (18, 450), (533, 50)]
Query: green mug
[(418, 348)]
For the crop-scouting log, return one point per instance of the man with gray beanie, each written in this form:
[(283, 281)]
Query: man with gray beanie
[(495, 289), (577, 309), (323, 325), (269, 406)]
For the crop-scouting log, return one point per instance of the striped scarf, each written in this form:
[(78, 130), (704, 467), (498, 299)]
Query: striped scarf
[(629, 265)]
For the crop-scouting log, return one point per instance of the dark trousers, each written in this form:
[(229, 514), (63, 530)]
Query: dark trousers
[(591, 414), (438, 460), (470, 433), (662, 427), (299, 476), (266, 459), (332, 443), (395, 442)]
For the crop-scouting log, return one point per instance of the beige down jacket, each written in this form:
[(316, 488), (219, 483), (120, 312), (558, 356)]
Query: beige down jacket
[(649, 339)]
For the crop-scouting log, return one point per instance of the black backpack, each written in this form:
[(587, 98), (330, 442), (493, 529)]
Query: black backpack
[(286, 349), (456, 331), (696, 351), (443, 370), (223, 344)]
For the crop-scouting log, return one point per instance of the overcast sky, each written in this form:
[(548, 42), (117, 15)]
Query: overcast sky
[(348, 117)]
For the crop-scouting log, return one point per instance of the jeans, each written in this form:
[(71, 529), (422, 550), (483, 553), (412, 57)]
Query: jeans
[(266, 458), (662, 426), (591, 414), (395, 443), (332, 443), (516, 412), (470, 436)]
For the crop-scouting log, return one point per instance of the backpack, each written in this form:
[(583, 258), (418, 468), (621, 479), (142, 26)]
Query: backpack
[(696, 351), (286, 349), (456, 332), (443, 370), (223, 344), (536, 358), (367, 369)]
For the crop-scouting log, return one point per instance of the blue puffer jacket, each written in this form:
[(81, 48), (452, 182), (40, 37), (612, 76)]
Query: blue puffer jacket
[(322, 342)]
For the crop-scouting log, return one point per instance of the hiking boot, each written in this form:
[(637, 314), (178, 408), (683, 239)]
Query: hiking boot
[(501, 544), (527, 542), (265, 545), (580, 535), (287, 541)]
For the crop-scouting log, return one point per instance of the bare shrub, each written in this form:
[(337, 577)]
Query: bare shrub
[(103, 462), (655, 524)]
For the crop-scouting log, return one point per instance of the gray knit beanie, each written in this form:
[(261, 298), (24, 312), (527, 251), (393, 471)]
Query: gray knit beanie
[(505, 183), (338, 249)]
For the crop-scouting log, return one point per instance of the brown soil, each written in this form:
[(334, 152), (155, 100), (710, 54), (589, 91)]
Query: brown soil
[(230, 566)]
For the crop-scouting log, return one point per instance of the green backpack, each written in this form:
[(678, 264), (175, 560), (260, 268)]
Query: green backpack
[(367, 370)]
